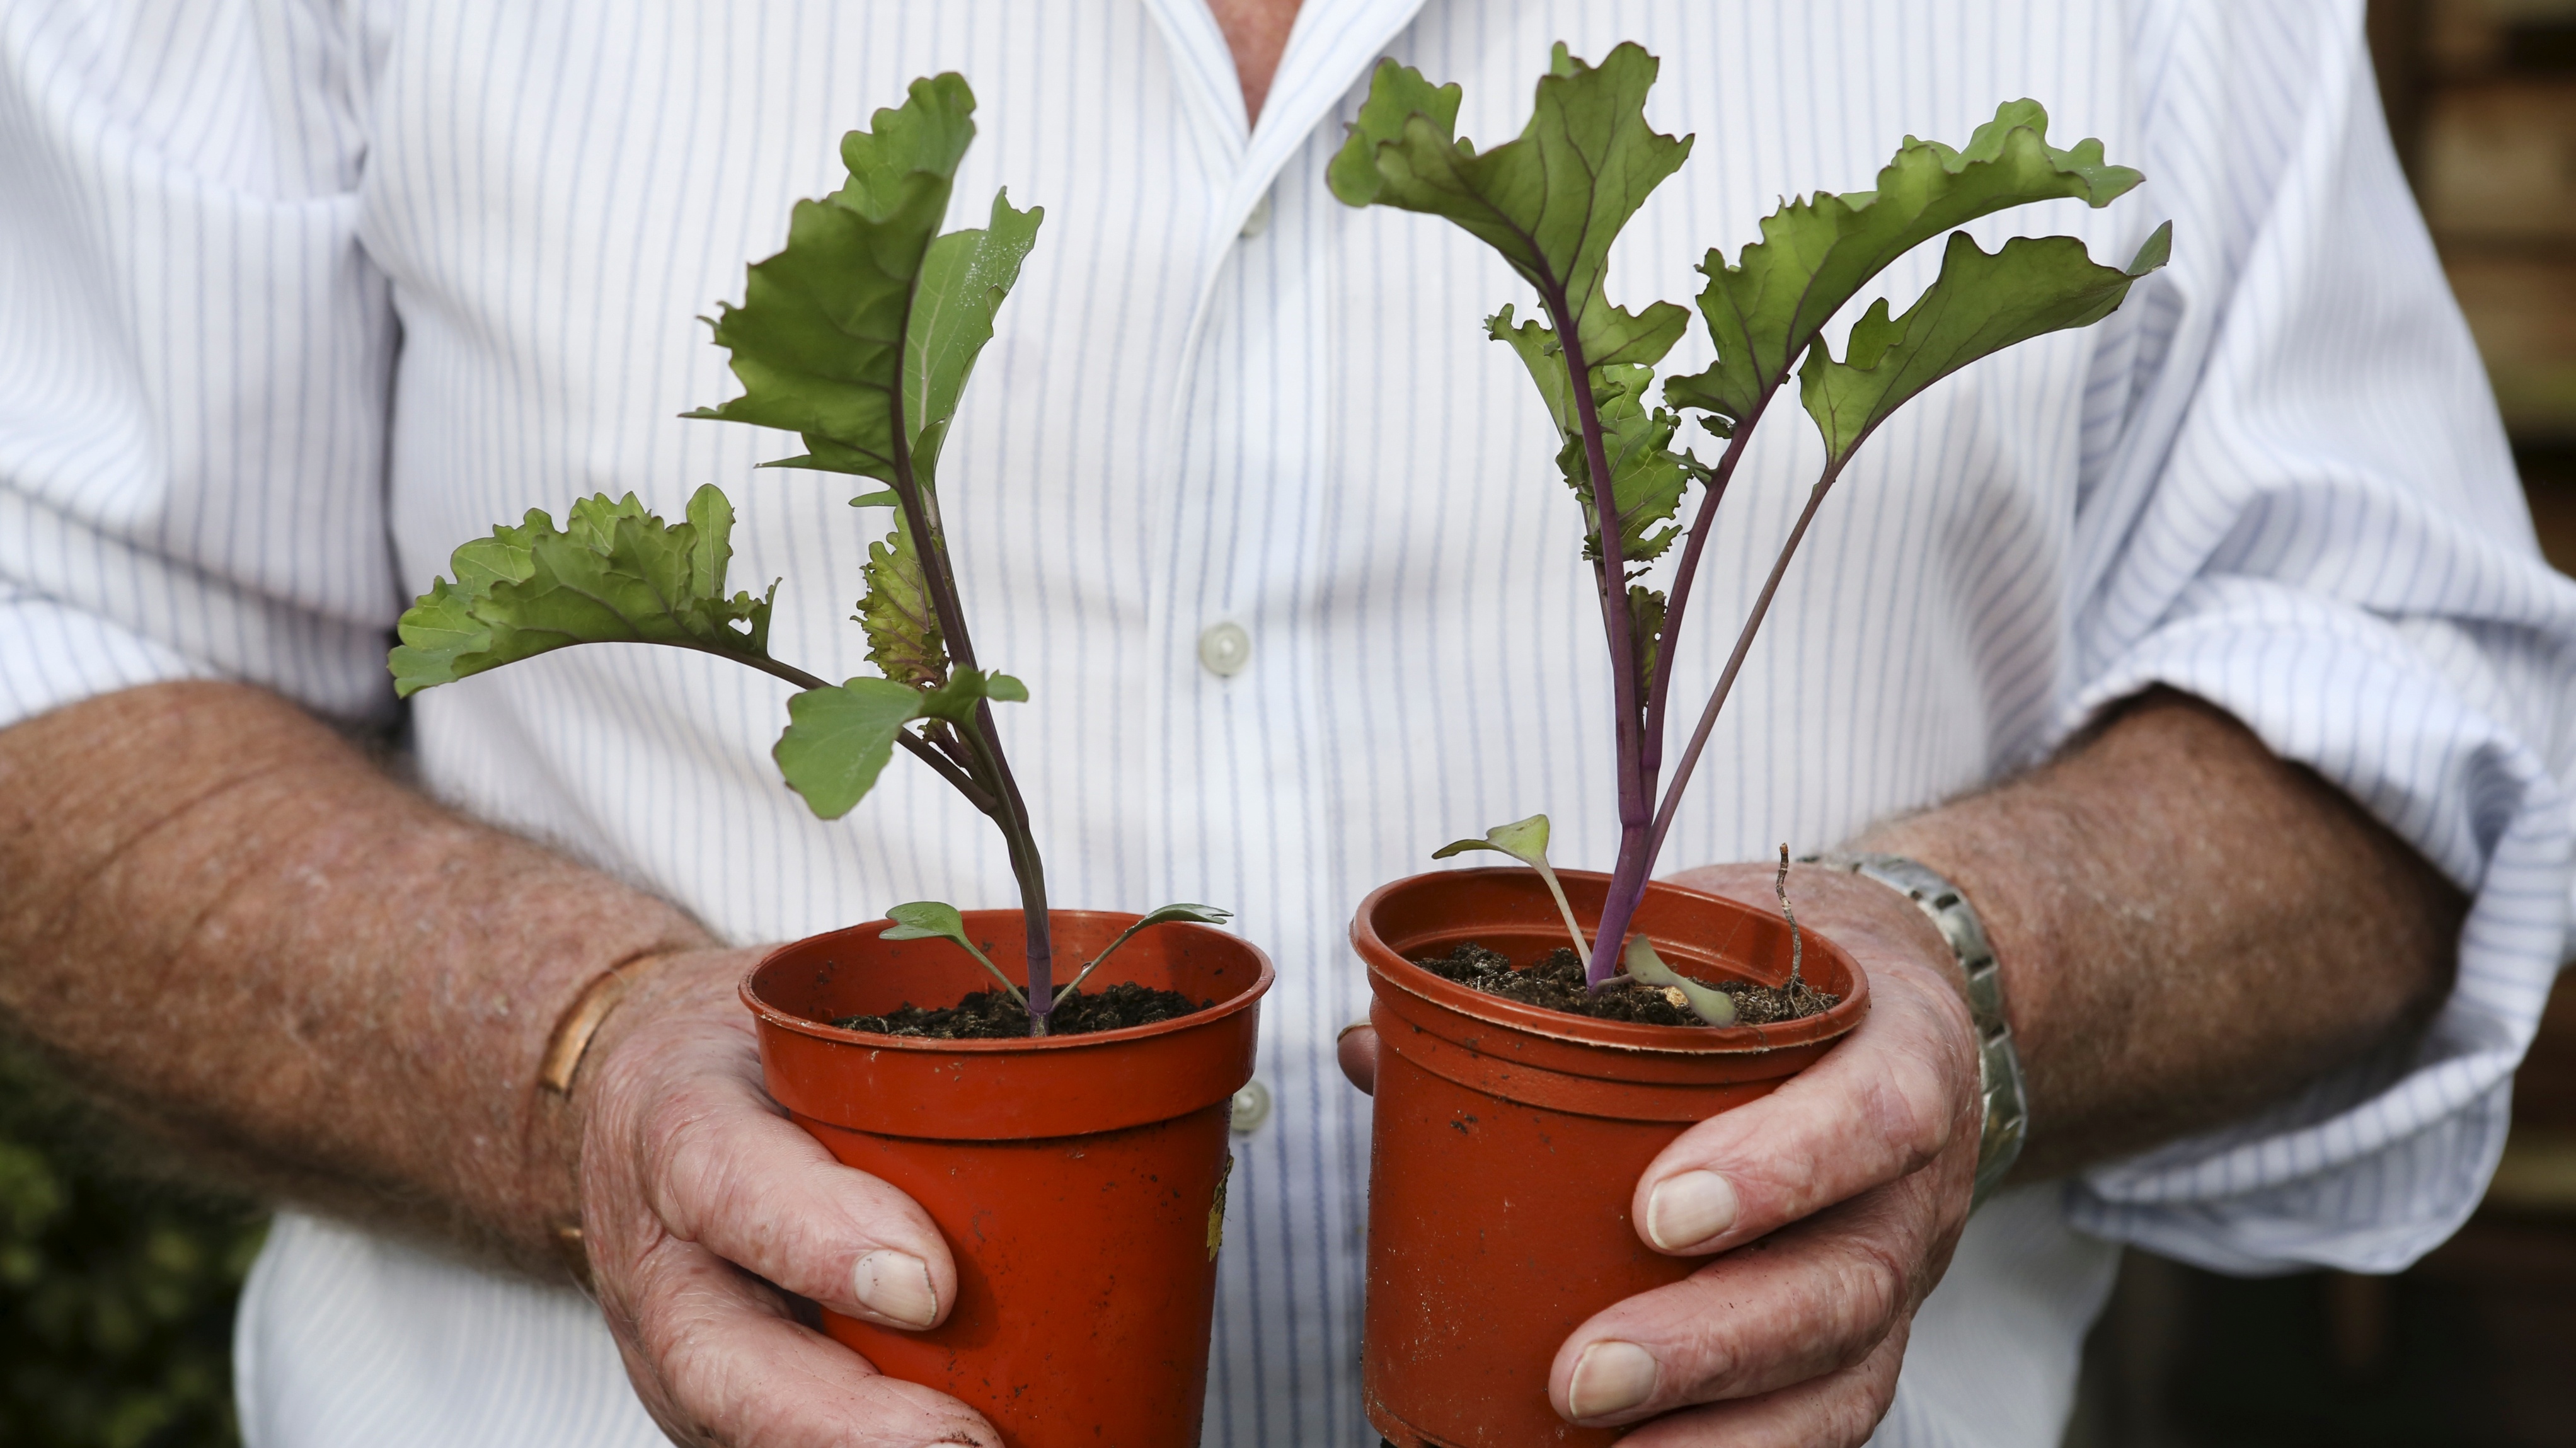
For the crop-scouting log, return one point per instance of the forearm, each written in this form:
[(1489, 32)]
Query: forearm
[(227, 925), (2188, 926)]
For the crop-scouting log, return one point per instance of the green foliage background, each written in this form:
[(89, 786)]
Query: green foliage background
[(116, 1294)]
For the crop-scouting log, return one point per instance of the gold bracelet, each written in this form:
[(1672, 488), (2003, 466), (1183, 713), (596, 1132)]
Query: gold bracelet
[(562, 1062), (581, 1020)]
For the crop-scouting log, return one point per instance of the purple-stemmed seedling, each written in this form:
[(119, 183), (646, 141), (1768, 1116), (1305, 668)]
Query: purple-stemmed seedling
[(1553, 200)]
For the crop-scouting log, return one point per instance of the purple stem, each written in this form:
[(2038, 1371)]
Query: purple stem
[(1611, 574), (1636, 865), (1735, 661), (1703, 523)]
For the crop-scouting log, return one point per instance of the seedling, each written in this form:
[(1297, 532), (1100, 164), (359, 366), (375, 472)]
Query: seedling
[(1553, 201), (860, 337), (1525, 841)]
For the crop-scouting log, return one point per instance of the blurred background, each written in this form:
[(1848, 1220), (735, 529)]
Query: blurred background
[(116, 1291)]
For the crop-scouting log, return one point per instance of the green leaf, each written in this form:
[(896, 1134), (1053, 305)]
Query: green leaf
[(956, 700), (902, 625), (1706, 1002), (1647, 478), (1551, 202), (1645, 625), (828, 326), (1979, 305), (1523, 840), (963, 281), (839, 738), (926, 920), (1397, 93), (1817, 251), (1534, 342), (613, 574), (913, 146), (1165, 915), (932, 920)]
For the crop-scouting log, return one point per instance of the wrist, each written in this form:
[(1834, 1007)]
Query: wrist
[(558, 1120), (2020, 887), (589, 1015), (2003, 1116)]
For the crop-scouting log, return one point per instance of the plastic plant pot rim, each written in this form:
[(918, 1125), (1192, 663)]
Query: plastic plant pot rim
[(785, 1020), (1390, 966)]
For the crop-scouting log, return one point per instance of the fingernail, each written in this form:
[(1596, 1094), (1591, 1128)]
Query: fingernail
[(1689, 1207), (896, 1286), (1610, 1377)]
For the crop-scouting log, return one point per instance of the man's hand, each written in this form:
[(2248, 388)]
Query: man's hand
[(1828, 1209), (303, 977), (2167, 857), (704, 1208)]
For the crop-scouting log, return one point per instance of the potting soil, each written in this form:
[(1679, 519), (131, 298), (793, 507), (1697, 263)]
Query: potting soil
[(1556, 983), (993, 1015)]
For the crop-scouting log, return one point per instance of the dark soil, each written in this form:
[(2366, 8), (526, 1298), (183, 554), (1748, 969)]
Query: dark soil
[(1557, 984), (992, 1015)]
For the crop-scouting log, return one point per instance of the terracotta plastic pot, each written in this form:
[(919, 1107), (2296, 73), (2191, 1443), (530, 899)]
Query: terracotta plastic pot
[(1508, 1139), (1079, 1180)]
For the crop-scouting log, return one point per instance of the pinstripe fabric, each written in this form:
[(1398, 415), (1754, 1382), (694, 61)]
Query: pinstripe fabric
[(296, 296)]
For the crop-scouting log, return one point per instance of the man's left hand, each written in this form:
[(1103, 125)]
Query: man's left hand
[(1828, 1209)]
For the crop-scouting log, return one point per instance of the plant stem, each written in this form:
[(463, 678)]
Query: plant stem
[(1030, 871), (914, 744), (1611, 574), (1619, 903), (1797, 942), (1564, 907), (1635, 866), (1686, 576), (1735, 661), (1011, 812)]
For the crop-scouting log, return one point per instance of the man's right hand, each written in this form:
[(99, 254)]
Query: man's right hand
[(309, 981), (704, 1208)]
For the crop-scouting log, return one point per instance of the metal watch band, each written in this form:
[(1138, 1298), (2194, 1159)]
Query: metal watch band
[(2007, 1118)]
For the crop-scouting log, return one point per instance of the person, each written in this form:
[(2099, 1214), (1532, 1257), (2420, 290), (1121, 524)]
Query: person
[(2207, 651)]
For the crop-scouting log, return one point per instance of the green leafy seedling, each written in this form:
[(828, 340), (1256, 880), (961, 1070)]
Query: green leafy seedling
[(1193, 914), (1525, 841), (859, 337), (937, 920), (1551, 202)]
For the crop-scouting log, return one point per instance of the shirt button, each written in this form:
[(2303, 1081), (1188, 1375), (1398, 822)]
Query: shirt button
[(1259, 219), (1224, 649), (1251, 1107)]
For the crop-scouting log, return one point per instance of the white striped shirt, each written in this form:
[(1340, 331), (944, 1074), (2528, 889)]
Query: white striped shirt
[(296, 295)]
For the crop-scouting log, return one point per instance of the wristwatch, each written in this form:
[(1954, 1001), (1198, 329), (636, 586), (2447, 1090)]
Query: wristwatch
[(2007, 1118)]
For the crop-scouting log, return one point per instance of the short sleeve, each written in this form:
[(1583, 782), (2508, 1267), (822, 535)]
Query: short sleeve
[(2305, 512), (195, 354)]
